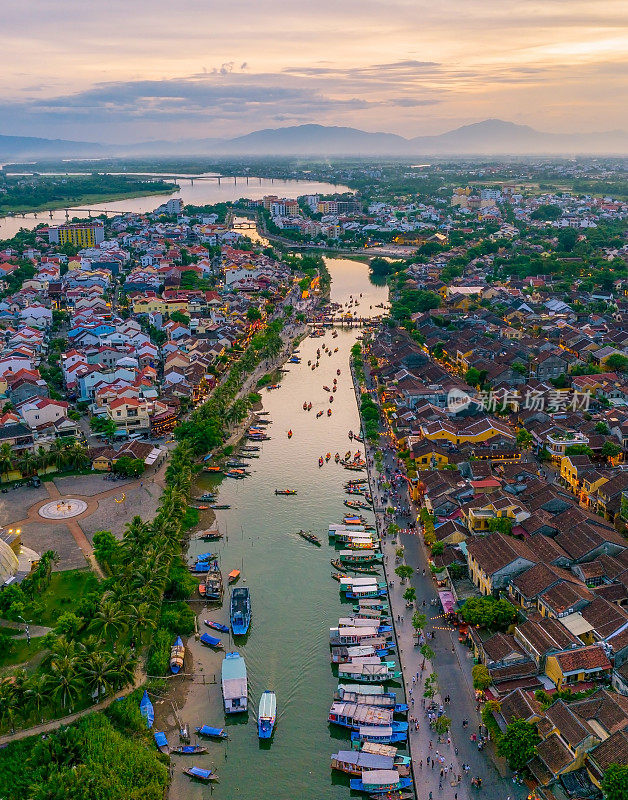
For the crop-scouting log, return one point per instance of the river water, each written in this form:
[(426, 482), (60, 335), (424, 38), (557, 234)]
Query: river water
[(202, 192), (294, 599)]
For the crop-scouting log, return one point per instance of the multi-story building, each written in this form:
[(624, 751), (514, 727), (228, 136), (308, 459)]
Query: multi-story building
[(79, 234)]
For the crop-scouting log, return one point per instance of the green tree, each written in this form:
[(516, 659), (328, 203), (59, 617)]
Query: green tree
[(106, 547), (610, 449), (615, 782), (617, 363), (524, 438), (6, 459), (518, 744), (481, 677), (404, 571), (488, 612), (253, 314), (547, 212), (442, 725), (501, 524), (410, 594)]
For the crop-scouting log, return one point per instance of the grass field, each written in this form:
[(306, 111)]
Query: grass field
[(19, 651), (65, 590)]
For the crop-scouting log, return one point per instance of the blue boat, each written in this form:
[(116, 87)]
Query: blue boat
[(210, 641), (390, 734), (147, 710), (240, 610), (267, 715), (380, 781), (161, 742), (214, 733), (217, 626), (177, 654), (200, 774)]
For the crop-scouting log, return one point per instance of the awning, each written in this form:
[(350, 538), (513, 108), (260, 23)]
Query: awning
[(153, 456), (447, 602)]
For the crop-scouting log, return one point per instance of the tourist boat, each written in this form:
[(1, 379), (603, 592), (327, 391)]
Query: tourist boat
[(357, 438), (212, 733), (353, 715), (305, 406), (238, 474), (327, 456), (290, 434), (329, 412), (370, 650), (353, 762), (335, 381), (319, 414), (326, 389), (362, 556), (233, 576), (240, 610), (353, 520), (211, 641), (177, 654), (199, 774), (217, 626), (361, 570), (333, 388), (382, 672), (189, 750), (309, 406), (331, 397), (285, 491), (380, 782), (321, 460), (379, 735), (147, 710), (335, 349), (313, 367), (267, 715), (339, 576), (234, 683), (337, 372), (357, 504), (347, 456), (354, 467), (310, 537), (162, 742), (337, 457)]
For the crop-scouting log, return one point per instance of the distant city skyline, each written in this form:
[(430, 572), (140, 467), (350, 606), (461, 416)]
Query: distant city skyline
[(128, 72)]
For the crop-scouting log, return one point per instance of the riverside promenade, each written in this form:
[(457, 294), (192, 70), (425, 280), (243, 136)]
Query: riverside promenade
[(452, 661)]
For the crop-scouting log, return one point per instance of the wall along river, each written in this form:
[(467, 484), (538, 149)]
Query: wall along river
[(294, 600)]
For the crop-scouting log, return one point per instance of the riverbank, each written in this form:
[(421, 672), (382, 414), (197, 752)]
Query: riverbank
[(82, 200)]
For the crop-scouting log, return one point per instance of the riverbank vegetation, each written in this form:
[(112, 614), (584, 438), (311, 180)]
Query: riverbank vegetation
[(37, 192)]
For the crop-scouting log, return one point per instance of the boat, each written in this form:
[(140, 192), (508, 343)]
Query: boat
[(361, 556), (217, 626), (233, 576), (351, 435), (352, 762), (327, 456), (319, 414), (289, 434), (379, 735), (240, 610), (212, 588), (357, 438), (206, 496), (354, 467), (199, 774), (212, 469), (221, 507), (305, 406), (357, 504), (267, 715), (326, 389), (337, 457), (147, 710), (250, 448), (177, 654), (331, 397), (211, 641), (213, 733), (188, 750), (234, 683), (238, 474), (380, 782), (309, 406), (249, 455), (354, 567), (310, 537), (320, 460), (329, 412), (285, 491), (162, 742)]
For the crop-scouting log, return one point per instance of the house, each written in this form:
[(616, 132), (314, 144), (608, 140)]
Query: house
[(129, 414), (495, 559), (577, 665)]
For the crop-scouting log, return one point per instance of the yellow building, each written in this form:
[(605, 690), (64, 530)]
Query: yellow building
[(148, 305), (78, 234), (576, 666)]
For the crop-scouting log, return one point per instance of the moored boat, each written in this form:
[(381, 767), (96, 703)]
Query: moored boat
[(147, 710), (199, 774), (310, 537), (177, 654), (233, 576), (211, 641), (212, 733), (240, 610), (234, 683), (188, 750), (162, 742), (267, 715), (218, 626)]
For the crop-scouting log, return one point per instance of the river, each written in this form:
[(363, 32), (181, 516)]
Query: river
[(294, 600), (202, 192)]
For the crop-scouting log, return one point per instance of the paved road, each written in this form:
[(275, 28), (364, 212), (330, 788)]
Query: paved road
[(452, 663)]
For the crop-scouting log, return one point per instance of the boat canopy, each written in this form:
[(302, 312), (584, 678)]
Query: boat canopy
[(207, 730), (363, 760), (160, 739), (197, 772)]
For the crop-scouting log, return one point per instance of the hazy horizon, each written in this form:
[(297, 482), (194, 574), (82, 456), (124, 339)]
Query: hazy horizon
[(121, 72)]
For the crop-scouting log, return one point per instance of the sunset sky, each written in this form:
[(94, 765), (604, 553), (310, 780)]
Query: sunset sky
[(136, 70)]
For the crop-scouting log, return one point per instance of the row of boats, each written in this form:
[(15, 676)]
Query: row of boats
[(361, 649)]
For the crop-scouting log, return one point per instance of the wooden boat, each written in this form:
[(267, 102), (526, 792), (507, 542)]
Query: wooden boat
[(199, 507), (240, 610), (327, 456), (212, 733), (206, 496), (147, 710), (319, 414), (212, 469), (335, 381), (212, 588), (331, 397), (235, 692), (217, 626), (339, 576), (249, 455), (250, 448), (310, 537), (267, 715), (198, 774), (329, 412), (321, 461), (337, 372), (211, 641), (189, 750), (305, 406), (289, 434), (360, 557), (380, 782), (238, 474), (326, 389), (309, 406), (354, 467), (357, 504), (222, 507), (285, 491), (358, 438), (177, 654), (233, 576)]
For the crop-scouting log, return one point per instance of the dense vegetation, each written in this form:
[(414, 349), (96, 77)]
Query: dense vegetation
[(102, 756), (24, 194)]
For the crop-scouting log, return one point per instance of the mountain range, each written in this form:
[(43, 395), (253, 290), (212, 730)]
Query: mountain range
[(490, 137)]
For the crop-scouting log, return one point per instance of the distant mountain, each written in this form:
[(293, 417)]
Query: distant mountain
[(490, 137), (32, 147)]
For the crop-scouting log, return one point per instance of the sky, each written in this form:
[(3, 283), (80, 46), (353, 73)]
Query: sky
[(136, 71)]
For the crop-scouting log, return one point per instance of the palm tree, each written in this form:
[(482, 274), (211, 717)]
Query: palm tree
[(64, 679), (77, 456), (141, 619), (37, 694), (110, 619), (125, 665), (6, 459), (57, 454), (27, 463), (9, 704), (99, 673)]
